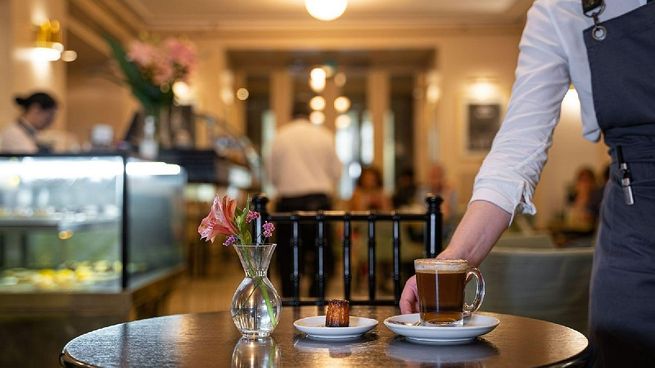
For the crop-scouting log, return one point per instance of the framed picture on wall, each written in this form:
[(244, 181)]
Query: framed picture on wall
[(482, 123)]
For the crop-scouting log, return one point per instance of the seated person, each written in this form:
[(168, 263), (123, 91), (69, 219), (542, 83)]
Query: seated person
[(583, 203)]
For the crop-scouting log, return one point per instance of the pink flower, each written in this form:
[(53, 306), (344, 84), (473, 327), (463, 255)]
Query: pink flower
[(268, 229), (143, 54), (220, 219), (251, 216), (163, 72), (231, 240), (181, 53)]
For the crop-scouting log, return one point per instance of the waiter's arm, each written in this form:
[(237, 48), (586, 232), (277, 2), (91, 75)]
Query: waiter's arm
[(510, 172), (476, 234), (478, 231)]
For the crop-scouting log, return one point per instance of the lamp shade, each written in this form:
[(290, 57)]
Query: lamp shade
[(326, 10)]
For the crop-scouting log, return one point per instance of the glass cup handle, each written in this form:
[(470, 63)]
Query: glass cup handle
[(479, 294)]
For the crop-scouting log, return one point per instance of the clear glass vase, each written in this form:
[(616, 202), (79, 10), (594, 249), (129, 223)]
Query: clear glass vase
[(256, 304)]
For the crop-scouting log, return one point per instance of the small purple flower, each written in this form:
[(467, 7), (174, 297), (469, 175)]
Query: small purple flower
[(231, 240), (268, 229), (252, 216)]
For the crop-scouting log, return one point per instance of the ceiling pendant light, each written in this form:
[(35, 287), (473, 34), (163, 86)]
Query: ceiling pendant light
[(326, 9)]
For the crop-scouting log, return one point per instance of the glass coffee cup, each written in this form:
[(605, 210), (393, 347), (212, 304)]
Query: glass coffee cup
[(441, 285)]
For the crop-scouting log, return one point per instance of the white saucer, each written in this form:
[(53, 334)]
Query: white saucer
[(473, 327), (315, 328)]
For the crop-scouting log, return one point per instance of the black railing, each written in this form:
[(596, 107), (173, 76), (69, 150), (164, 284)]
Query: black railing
[(432, 218)]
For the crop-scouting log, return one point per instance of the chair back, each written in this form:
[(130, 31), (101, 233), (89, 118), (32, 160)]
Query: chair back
[(547, 284)]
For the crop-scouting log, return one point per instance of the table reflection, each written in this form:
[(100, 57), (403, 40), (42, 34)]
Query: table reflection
[(466, 355), (335, 349), (260, 353)]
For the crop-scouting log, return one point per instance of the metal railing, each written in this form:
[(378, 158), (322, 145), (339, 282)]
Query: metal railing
[(432, 218)]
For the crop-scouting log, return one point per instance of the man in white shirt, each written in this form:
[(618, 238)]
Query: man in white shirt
[(606, 49), (304, 169)]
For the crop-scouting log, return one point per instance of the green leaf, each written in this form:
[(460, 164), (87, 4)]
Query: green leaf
[(150, 95)]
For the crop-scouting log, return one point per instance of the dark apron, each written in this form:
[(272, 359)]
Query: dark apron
[(31, 132), (622, 305)]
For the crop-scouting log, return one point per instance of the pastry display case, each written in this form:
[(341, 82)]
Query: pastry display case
[(92, 223)]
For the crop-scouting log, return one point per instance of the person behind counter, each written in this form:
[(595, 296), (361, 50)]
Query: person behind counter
[(38, 113)]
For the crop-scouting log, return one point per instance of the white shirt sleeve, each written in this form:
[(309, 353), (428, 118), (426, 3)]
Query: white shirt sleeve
[(511, 170)]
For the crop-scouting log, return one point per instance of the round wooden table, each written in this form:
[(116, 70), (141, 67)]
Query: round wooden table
[(211, 340)]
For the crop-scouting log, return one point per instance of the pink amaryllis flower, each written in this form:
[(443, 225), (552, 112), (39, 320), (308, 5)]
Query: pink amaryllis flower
[(220, 219)]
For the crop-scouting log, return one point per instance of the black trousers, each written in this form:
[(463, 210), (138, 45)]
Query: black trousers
[(307, 248)]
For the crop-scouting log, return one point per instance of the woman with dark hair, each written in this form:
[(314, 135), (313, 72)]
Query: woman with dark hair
[(369, 192), (38, 113)]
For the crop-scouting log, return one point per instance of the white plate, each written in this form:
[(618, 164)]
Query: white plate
[(473, 327), (315, 328)]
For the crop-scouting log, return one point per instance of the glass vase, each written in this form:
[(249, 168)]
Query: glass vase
[(256, 304), (156, 132)]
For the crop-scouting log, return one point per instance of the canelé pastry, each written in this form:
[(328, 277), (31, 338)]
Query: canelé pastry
[(338, 314)]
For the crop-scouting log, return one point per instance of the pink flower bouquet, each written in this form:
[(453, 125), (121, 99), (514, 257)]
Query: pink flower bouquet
[(151, 69), (224, 218)]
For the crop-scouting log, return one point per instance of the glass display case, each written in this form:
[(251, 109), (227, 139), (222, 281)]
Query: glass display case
[(88, 223)]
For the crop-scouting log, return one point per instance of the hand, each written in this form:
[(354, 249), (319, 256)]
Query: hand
[(409, 297)]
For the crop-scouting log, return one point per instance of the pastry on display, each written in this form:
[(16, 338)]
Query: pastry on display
[(82, 275), (338, 314)]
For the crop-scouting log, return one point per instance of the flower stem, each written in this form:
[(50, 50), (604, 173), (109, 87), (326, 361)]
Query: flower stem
[(259, 282), (267, 300)]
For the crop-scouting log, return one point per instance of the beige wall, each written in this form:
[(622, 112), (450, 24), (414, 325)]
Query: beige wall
[(95, 100)]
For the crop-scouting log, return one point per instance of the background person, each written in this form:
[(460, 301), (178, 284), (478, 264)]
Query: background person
[(304, 168), (369, 192), (583, 202), (38, 112), (437, 184)]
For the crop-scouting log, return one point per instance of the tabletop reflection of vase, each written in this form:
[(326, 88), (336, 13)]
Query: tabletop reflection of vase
[(260, 353)]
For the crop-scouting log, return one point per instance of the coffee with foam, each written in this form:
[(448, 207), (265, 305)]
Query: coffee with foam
[(434, 265), (440, 285)]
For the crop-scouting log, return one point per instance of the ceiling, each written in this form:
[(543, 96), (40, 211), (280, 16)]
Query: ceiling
[(207, 14), (355, 60)]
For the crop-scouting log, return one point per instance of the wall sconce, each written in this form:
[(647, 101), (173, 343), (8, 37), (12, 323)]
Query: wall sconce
[(47, 44), (483, 90), (326, 10)]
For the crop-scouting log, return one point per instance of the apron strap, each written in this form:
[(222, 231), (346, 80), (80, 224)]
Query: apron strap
[(31, 132)]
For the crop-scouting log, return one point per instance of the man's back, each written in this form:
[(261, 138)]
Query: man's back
[(303, 160)]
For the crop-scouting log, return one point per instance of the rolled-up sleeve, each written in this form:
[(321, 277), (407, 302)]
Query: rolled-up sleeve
[(512, 168)]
